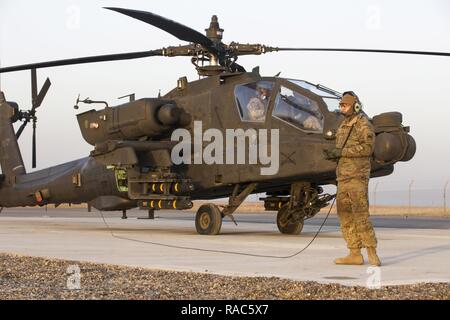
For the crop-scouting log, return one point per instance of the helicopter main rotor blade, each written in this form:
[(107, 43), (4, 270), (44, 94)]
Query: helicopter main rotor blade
[(40, 97), (33, 86), (427, 53), (103, 58), (22, 127), (176, 29)]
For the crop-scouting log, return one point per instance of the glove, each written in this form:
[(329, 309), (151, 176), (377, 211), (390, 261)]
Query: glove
[(333, 154)]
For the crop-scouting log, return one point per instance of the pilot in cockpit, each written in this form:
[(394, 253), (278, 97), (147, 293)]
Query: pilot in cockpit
[(258, 105), (309, 115)]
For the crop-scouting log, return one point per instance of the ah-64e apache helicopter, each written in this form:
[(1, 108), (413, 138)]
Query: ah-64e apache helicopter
[(132, 162)]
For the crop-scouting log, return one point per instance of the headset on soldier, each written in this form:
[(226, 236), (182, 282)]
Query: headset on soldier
[(357, 105), (335, 154)]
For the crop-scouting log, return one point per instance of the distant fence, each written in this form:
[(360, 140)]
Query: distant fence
[(415, 194)]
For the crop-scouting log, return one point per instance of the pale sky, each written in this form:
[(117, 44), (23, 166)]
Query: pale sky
[(417, 86)]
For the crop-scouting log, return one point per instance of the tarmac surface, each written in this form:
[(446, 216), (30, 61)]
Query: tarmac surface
[(413, 250)]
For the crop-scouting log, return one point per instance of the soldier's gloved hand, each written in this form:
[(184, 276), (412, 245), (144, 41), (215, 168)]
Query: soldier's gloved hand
[(333, 154)]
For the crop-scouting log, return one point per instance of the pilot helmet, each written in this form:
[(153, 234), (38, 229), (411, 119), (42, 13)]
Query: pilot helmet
[(264, 85)]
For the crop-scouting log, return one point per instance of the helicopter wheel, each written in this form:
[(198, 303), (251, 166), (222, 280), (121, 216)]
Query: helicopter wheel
[(208, 220), (285, 226)]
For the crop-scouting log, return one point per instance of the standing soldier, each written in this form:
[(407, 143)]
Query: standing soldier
[(355, 140)]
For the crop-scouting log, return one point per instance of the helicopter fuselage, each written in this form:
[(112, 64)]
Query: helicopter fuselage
[(218, 103)]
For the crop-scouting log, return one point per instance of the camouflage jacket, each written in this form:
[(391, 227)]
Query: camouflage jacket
[(356, 154)]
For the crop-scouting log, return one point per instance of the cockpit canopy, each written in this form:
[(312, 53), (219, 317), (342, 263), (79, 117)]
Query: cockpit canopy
[(296, 102)]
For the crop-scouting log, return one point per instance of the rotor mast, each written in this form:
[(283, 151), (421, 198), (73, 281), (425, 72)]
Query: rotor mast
[(214, 59), (215, 33)]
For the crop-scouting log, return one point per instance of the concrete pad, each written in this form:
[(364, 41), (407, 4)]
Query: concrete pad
[(409, 255)]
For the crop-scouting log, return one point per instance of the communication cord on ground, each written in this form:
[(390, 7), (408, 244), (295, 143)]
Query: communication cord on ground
[(220, 251)]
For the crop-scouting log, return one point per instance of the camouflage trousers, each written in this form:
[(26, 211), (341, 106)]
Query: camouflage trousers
[(353, 212)]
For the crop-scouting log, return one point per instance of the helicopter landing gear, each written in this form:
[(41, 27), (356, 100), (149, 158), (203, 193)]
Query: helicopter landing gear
[(305, 202), (290, 220), (286, 223), (208, 220), (237, 199)]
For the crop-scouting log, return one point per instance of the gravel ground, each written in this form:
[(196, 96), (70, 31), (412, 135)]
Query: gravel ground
[(37, 278)]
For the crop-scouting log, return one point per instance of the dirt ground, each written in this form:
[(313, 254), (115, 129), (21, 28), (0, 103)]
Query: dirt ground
[(38, 278)]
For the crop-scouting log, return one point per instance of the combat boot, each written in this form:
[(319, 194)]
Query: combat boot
[(354, 258), (373, 257)]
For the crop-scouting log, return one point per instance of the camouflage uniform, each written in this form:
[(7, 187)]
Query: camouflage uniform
[(353, 173)]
